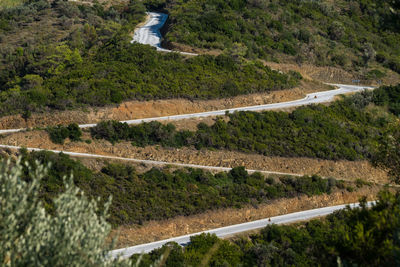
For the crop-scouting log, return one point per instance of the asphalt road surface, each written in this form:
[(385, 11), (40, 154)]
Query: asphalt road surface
[(149, 33), (147, 162), (314, 98), (234, 229)]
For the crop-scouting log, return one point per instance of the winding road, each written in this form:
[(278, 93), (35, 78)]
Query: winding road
[(145, 161), (314, 98), (149, 33), (235, 229)]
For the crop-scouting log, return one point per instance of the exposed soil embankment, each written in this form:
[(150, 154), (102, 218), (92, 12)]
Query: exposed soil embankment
[(155, 108), (190, 49), (348, 170), (333, 74), (159, 230)]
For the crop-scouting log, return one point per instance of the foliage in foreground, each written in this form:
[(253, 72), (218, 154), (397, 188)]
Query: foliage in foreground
[(351, 237), (74, 235), (159, 194), (346, 129)]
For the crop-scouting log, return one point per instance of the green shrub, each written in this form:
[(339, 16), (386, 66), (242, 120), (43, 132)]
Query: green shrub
[(343, 130), (348, 237), (94, 63), (360, 183), (388, 96), (159, 194), (309, 30), (59, 133), (375, 74)]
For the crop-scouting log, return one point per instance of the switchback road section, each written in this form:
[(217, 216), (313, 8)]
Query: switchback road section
[(314, 98), (149, 33), (235, 229)]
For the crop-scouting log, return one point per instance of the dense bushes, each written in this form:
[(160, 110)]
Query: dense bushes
[(59, 133), (388, 96), (142, 134), (343, 130), (344, 33), (351, 237), (159, 194), (133, 71), (89, 60), (388, 155)]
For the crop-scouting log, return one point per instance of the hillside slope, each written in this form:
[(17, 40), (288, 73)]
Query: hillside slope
[(352, 34), (63, 55)]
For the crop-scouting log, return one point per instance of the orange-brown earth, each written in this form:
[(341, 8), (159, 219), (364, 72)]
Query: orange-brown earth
[(155, 108), (328, 74), (159, 230), (156, 230), (332, 74), (151, 231), (342, 169), (190, 49)]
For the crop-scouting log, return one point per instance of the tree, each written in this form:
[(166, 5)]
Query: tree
[(32, 81), (336, 31), (388, 154), (239, 174), (369, 53), (237, 51), (73, 236)]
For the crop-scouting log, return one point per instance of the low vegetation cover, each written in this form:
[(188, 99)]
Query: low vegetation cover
[(357, 236), (10, 3), (351, 237), (61, 54), (347, 33), (159, 194), (347, 129)]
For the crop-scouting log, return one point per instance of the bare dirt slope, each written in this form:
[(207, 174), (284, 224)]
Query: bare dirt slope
[(326, 74), (107, 3), (159, 230), (331, 74), (155, 108), (190, 49), (348, 170)]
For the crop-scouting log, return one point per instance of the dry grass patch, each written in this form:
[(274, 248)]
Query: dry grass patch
[(10, 3)]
